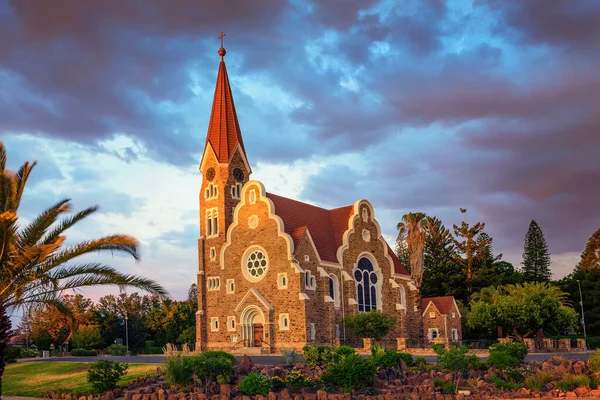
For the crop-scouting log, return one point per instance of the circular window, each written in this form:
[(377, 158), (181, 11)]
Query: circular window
[(255, 263)]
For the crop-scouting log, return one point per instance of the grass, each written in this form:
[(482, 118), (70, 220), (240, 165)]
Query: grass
[(34, 379)]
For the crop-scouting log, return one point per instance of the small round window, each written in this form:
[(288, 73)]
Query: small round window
[(256, 264)]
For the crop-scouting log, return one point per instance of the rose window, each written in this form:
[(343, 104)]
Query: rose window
[(257, 264)]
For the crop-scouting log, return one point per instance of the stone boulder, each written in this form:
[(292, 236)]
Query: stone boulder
[(245, 366)]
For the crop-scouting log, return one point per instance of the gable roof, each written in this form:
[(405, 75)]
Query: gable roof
[(326, 227), (224, 132), (443, 304)]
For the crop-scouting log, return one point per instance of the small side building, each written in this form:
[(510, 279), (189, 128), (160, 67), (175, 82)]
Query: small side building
[(441, 320)]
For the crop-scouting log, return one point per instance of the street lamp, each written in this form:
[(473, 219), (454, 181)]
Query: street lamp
[(126, 333), (581, 304)]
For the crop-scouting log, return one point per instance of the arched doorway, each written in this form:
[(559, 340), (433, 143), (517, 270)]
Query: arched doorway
[(253, 320)]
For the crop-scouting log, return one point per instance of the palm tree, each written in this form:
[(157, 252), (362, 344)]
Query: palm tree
[(35, 264), (411, 227)]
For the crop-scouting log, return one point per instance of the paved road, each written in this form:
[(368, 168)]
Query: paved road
[(265, 359)]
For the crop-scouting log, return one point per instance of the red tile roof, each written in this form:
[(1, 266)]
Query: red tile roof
[(326, 227), (443, 304), (223, 128)]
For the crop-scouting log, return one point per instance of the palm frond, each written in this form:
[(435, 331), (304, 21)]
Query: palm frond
[(67, 223), (21, 179), (33, 232)]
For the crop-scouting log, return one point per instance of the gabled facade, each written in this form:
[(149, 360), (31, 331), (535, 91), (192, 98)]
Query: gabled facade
[(441, 319), (277, 273)]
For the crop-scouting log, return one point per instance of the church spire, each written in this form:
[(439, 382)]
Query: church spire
[(224, 132)]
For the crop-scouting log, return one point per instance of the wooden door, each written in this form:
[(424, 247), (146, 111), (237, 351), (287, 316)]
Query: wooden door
[(258, 335)]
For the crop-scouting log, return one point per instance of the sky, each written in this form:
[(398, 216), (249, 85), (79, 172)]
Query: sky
[(428, 106)]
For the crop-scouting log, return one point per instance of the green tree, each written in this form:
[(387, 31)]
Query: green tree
[(370, 325), (536, 257), (35, 262), (524, 309), (442, 276), (88, 337), (589, 280), (168, 321), (471, 246), (193, 295), (411, 227), (590, 258)]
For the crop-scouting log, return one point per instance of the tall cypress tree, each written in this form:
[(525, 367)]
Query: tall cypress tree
[(536, 258), (590, 258)]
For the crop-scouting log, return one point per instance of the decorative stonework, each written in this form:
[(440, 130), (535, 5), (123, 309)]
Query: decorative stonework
[(253, 222), (366, 235)]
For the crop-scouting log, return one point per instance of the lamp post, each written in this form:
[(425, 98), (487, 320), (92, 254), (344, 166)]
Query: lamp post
[(581, 304), (126, 333)]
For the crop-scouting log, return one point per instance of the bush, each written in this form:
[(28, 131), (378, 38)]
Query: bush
[(420, 362), (277, 384), (438, 348), (317, 355), (341, 351), (213, 365), (445, 387), (83, 353), (178, 371), (255, 383), (500, 383), (151, 348), (88, 337), (29, 353), (290, 357), (538, 381), (372, 324), (593, 342), (391, 358), (11, 354), (117, 350), (516, 351), (594, 362), (570, 382), (408, 358), (351, 372), (502, 360), (104, 375), (296, 381)]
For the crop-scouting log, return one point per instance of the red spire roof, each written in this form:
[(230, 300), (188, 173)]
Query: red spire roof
[(223, 128), (443, 303)]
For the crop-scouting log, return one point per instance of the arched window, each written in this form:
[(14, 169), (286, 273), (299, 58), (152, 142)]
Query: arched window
[(331, 288), (366, 285), (403, 297)]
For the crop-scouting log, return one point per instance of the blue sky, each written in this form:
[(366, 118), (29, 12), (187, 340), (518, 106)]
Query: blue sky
[(428, 106)]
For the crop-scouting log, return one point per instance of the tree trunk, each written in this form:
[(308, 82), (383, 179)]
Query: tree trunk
[(5, 326), (500, 333)]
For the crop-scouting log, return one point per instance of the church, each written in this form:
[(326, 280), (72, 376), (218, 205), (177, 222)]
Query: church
[(276, 273)]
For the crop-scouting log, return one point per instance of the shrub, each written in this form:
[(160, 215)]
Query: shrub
[(83, 353), (88, 337), (534, 383), (501, 360), (290, 357), (277, 384), (372, 324), (500, 383), (104, 375), (594, 362), (29, 353), (516, 352), (420, 362), (213, 365), (445, 387), (351, 372), (255, 383), (178, 371), (117, 350), (342, 351), (377, 350), (296, 381), (151, 348), (408, 358), (438, 348), (570, 382), (317, 355), (11, 354)]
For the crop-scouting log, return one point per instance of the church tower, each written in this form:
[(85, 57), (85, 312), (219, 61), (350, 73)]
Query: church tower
[(225, 170)]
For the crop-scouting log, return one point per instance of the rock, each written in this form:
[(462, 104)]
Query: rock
[(581, 392), (382, 376), (464, 392), (171, 397), (439, 396), (403, 366), (161, 395), (309, 396), (271, 396), (579, 368), (284, 395), (570, 394), (138, 396), (268, 371), (225, 389), (321, 395), (595, 393), (245, 365)]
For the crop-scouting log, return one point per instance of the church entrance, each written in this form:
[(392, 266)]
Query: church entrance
[(258, 335)]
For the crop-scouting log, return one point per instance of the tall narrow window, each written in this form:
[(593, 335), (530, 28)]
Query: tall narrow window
[(331, 288), (403, 297), (366, 285), (212, 223)]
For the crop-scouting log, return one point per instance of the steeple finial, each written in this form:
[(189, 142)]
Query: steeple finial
[(222, 51)]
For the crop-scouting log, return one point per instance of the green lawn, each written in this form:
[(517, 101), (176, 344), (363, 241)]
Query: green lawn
[(34, 379)]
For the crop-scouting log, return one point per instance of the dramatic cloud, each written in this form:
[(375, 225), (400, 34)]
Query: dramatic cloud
[(417, 105)]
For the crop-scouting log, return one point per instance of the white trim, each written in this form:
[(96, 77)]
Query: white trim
[(244, 263), (327, 299), (280, 284), (394, 283), (271, 215), (347, 276), (208, 146), (282, 318), (258, 296), (322, 272), (229, 327), (213, 283), (303, 296), (427, 307), (214, 324), (352, 301), (456, 307), (228, 289)]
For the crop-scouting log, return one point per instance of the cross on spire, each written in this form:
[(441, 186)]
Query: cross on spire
[(221, 36)]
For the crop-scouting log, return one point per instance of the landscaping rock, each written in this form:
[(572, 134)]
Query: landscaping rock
[(581, 392), (245, 365), (570, 394)]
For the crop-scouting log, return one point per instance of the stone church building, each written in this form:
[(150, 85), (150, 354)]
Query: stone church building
[(276, 273)]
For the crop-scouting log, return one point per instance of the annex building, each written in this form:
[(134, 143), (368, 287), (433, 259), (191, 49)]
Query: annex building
[(276, 273)]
